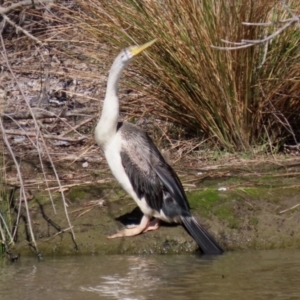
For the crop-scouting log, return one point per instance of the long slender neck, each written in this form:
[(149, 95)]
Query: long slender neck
[(106, 127)]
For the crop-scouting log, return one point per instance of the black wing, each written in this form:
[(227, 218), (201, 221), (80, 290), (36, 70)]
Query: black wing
[(172, 185), (145, 184), (151, 176)]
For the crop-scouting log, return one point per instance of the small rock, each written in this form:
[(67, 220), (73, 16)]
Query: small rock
[(85, 164), (222, 188)]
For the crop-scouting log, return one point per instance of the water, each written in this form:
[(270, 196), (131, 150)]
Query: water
[(252, 275)]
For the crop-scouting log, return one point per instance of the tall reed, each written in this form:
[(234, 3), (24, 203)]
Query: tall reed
[(5, 216), (222, 95)]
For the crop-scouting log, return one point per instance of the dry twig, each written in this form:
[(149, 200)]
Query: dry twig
[(288, 209)]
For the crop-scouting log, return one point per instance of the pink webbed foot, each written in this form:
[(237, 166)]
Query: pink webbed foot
[(132, 230)]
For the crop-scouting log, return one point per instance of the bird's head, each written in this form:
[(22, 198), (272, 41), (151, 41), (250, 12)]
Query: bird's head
[(128, 53)]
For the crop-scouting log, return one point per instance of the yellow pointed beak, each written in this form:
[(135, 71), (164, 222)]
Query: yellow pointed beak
[(135, 50)]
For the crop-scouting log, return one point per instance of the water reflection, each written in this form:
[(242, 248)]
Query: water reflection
[(139, 278), (133, 278), (252, 275)]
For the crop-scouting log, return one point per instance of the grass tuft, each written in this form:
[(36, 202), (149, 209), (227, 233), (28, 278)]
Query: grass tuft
[(225, 96)]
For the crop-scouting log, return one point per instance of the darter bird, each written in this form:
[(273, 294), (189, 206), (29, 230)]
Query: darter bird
[(140, 168)]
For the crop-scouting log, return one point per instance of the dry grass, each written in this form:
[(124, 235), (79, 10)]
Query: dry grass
[(221, 95)]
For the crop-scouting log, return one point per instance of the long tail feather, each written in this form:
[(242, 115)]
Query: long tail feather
[(205, 241)]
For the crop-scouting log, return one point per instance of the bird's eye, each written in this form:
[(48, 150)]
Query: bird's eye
[(123, 56)]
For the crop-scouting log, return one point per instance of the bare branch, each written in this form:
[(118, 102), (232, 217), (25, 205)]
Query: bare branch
[(249, 43), (269, 23)]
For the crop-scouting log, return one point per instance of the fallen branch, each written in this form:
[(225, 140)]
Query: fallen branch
[(46, 136), (42, 114), (6, 10)]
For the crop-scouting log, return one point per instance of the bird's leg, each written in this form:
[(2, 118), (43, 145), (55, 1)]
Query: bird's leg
[(132, 231), (153, 225)]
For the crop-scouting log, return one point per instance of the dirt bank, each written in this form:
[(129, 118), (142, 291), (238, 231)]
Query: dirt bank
[(246, 207)]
